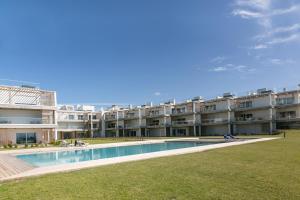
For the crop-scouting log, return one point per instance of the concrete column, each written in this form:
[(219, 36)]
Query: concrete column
[(103, 125), (55, 135), (48, 136), (271, 120), (117, 124), (91, 123), (139, 133), (229, 122)]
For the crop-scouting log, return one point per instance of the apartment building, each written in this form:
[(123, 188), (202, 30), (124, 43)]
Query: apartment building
[(78, 121), (134, 122), (158, 120), (186, 119), (287, 107), (216, 116), (31, 115), (112, 122), (255, 113), (27, 115)]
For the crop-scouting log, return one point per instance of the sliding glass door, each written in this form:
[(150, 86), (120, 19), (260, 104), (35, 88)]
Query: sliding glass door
[(26, 138)]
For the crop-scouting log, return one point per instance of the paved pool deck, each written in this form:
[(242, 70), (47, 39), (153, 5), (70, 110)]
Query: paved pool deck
[(37, 171)]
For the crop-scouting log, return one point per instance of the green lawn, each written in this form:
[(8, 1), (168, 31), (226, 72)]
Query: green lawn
[(266, 170)]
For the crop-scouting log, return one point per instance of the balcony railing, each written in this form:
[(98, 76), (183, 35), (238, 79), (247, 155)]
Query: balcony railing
[(292, 117), (178, 112), (131, 126), (24, 120), (214, 121), (155, 114), (110, 117), (251, 119), (153, 125), (186, 122), (131, 116), (71, 127)]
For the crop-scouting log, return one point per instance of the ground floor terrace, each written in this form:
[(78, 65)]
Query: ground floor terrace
[(26, 136), (246, 171)]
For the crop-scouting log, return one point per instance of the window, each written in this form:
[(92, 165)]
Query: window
[(71, 117), (284, 101), (25, 138), (246, 104), (288, 114), (246, 117), (210, 107), (80, 117)]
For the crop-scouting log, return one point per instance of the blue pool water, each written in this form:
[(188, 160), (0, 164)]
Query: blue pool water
[(63, 157)]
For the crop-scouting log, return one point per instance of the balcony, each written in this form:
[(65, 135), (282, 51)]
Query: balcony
[(212, 110), (214, 121), (156, 114), (67, 119), (157, 125), (132, 126), (26, 122), (182, 112), (285, 102), (71, 128), (288, 118), (110, 117), (242, 120), (131, 116), (252, 106), (183, 123)]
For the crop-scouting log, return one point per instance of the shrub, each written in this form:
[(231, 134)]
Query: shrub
[(5, 146), (26, 145), (9, 145), (32, 145), (15, 146)]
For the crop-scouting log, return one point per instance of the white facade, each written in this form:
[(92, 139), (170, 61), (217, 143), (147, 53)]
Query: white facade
[(32, 115)]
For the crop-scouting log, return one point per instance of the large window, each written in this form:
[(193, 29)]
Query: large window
[(285, 101), (25, 138), (246, 104)]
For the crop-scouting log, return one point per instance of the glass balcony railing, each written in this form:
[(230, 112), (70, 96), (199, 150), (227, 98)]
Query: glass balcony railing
[(214, 121), (72, 127), (250, 119), (186, 122), (23, 120)]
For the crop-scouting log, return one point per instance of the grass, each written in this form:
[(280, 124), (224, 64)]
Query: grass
[(266, 170)]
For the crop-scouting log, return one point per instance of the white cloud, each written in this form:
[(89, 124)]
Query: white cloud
[(157, 93), (246, 14), (264, 12), (219, 69), (284, 11), (218, 59), (284, 39), (277, 61), (279, 30), (260, 46), (257, 4), (233, 68)]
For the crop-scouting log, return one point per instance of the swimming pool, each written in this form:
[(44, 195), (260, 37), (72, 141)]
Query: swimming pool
[(73, 156)]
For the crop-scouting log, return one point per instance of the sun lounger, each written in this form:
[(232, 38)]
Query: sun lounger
[(81, 143)]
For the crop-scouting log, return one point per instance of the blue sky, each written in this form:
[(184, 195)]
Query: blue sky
[(138, 51)]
